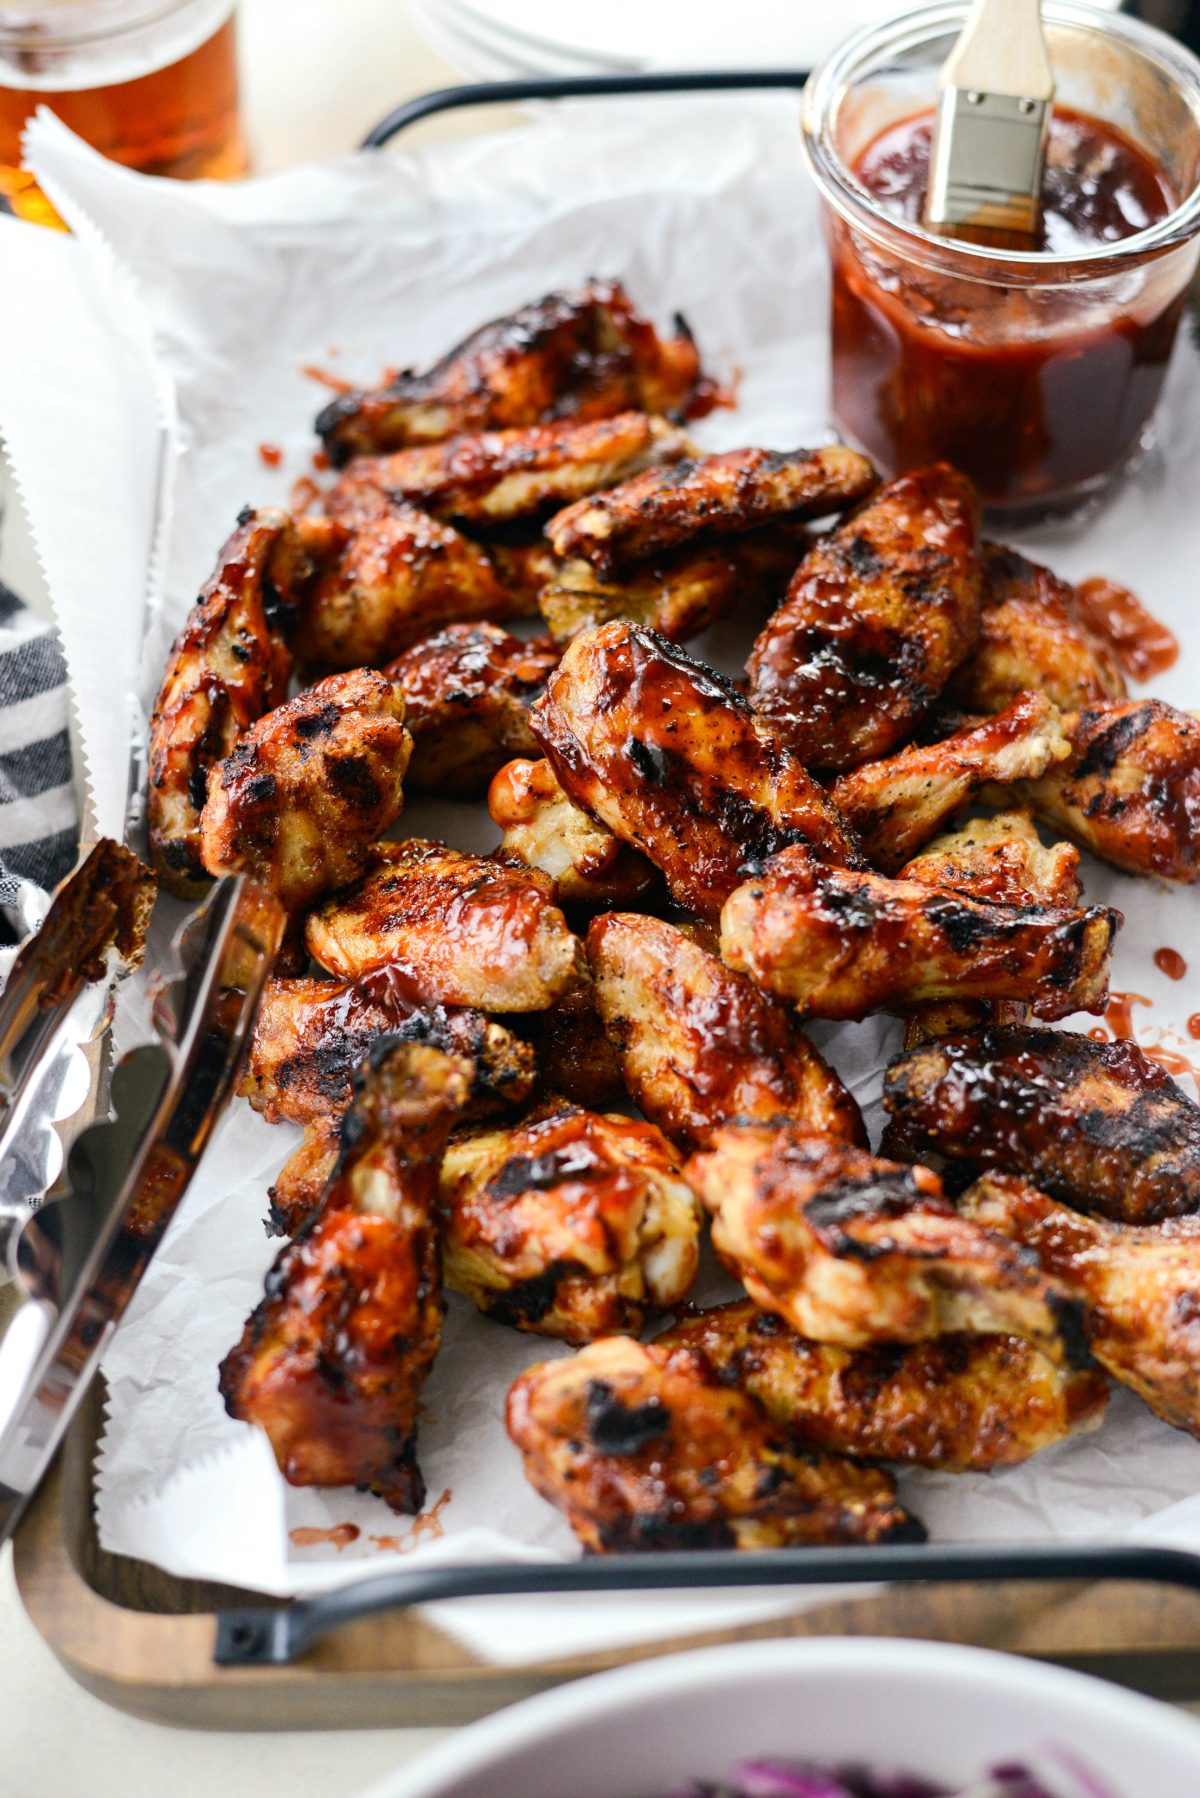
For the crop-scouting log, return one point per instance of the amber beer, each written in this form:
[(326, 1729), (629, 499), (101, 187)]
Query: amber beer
[(150, 83)]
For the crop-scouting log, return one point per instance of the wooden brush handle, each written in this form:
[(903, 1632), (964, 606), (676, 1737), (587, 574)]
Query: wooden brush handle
[(1002, 51)]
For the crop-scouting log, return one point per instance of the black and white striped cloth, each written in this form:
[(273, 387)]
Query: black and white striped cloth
[(39, 831)]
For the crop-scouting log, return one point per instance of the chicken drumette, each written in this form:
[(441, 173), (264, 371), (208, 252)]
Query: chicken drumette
[(228, 666), (1138, 1286), (640, 1453), (670, 757), (310, 788), (332, 1362), (467, 693), (573, 1225), (717, 496), (701, 1045), (572, 355), (1099, 1125), (310, 1036), (470, 930), (851, 1249), (840, 943), (490, 477), (961, 1402), (587, 863), (878, 616)]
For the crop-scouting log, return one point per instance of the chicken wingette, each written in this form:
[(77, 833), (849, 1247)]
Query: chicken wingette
[(586, 354), (840, 943), (470, 930), (543, 829), (574, 1225), (878, 616), (640, 1454), (670, 757), (467, 693), (961, 1402), (716, 496), (299, 1188), (851, 1249), (1138, 1286), (332, 1362), (1098, 1125), (699, 1044)]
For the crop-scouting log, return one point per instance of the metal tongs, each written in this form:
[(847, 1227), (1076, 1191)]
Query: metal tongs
[(80, 1255)]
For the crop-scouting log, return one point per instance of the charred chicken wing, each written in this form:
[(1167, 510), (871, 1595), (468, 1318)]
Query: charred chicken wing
[(467, 693), (1139, 1286), (470, 930), (640, 1452), (670, 757), (299, 1190), (489, 477), (1098, 1125), (332, 1362), (716, 496), (572, 355), (310, 788), (878, 616), (228, 665), (840, 943), (897, 804), (961, 1402), (570, 1226), (679, 594), (575, 1054), (311, 1035), (542, 829), (1032, 638), (850, 1249), (1130, 790), (700, 1044)]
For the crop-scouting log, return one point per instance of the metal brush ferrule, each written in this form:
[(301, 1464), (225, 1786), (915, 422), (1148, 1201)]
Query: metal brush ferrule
[(986, 167)]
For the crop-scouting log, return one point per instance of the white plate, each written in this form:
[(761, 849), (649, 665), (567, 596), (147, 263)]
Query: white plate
[(945, 1712)]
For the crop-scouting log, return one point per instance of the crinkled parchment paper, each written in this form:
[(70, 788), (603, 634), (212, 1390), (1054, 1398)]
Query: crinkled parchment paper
[(205, 305)]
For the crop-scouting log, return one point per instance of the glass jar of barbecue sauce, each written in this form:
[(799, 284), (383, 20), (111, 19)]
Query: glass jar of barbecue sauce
[(1036, 372)]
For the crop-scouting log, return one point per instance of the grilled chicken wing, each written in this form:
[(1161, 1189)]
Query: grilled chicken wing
[(489, 477), (542, 829), (877, 617), (1130, 791), (572, 355), (1002, 860), (1032, 638), (1099, 1125), (715, 496), (397, 578), (640, 1453), (467, 693), (311, 1035), (670, 757), (679, 594), (469, 930), (524, 567), (310, 788), (896, 805), (966, 1403), (299, 1190), (575, 1055), (228, 665), (332, 1362), (1139, 1287), (571, 1226), (701, 1045), (840, 943), (850, 1249)]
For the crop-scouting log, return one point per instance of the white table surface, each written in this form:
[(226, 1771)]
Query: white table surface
[(316, 76)]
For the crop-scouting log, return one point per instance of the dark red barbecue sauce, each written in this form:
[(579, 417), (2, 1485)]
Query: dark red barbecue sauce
[(1028, 401)]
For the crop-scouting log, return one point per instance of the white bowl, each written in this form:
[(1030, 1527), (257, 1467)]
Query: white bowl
[(946, 1712)]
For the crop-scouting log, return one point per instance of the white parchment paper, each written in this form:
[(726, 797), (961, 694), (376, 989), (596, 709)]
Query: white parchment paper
[(228, 294)]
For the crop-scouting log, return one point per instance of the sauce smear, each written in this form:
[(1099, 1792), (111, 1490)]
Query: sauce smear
[(1119, 1016), (1170, 963), (271, 454), (339, 1537), (1142, 645), (425, 1523), (305, 493), (1193, 1026), (323, 375)]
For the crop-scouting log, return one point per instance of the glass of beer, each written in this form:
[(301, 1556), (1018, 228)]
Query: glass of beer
[(151, 83)]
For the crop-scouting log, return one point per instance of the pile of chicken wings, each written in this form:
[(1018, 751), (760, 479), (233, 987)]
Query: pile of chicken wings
[(882, 815)]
